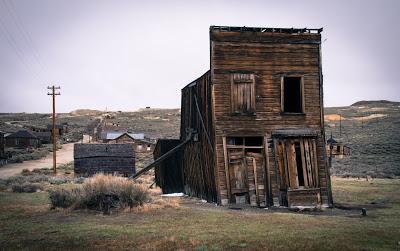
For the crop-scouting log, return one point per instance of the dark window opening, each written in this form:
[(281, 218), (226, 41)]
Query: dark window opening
[(254, 141), (292, 96), (299, 164), (245, 141), (235, 141), (253, 150)]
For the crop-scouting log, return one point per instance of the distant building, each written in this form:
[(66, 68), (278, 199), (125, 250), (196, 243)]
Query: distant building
[(338, 149), (138, 140), (3, 157), (45, 137), (22, 139), (60, 129)]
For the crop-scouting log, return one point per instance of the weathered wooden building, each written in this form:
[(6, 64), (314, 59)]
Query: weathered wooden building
[(138, 140), (258, 115), (168, 174), (336, 149), (90, 159), (3, 157), (22, 139)]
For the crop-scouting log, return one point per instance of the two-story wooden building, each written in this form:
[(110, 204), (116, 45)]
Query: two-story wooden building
[(258, 114)]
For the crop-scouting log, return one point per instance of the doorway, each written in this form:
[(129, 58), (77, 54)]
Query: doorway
[(246, 170)]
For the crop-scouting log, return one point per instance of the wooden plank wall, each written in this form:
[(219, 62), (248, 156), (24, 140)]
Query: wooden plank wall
[(270, 56), (90, 159), (168, 173), (198, 157)]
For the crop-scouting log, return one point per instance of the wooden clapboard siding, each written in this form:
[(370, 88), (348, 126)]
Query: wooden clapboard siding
[(240, 57), (268, 56), (198, 157)]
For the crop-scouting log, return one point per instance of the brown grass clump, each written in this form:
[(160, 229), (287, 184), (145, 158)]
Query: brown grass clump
[(26, 187), (103, 193), (159, 203)]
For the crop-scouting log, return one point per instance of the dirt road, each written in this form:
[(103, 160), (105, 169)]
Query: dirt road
[(64, 156)]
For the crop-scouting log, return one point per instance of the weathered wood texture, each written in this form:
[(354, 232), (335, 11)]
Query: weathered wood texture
[(168, 173), (269, 56), (104, 158), (198, 157)]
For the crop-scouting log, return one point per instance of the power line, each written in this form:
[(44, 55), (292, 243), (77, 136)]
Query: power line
[(31, 63), (25, 32), (19, 53)]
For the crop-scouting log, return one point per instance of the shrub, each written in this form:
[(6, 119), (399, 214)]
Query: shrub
[(25, 172), (102, 192), (26, 187), (63, 198), (45, 171), (37, 178), (58, 180)]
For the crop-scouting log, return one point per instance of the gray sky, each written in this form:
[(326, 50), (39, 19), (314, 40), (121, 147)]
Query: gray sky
[(125, 55)]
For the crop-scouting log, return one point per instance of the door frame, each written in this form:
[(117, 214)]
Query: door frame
[(264, 150)]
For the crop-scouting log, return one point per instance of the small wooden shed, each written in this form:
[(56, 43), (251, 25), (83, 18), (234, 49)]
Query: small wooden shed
[(3, 157), (258, 119), (22, 139), (90, 159)]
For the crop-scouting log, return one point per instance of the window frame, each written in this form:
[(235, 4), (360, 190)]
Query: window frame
[(246, 78), (302, 99)]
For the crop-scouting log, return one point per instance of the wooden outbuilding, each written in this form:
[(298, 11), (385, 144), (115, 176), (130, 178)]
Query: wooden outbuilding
[(3, 157), (256, 121), (138, 140), (336, 149), (90, 159), (22, 139)]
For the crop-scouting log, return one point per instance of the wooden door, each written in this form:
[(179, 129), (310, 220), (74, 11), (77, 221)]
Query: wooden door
[(256, 178), (237, 172)]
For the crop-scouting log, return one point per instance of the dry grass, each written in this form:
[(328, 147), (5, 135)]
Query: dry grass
[(102, 192), (27, 223)]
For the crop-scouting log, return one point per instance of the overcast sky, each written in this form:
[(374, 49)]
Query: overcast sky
[(124, 55)]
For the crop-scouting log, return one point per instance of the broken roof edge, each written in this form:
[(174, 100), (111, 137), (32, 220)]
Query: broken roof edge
[(265, 29), (193, 83)]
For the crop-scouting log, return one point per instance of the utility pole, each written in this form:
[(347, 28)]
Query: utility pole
[(340, 126), (53, 93)]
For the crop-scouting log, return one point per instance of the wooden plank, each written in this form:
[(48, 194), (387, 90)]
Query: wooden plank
[(316, 167), (308, 162), (291, 164), (267, 180), (282, 94), (282, 161), (303, 163), (228, 186), (255, 178)]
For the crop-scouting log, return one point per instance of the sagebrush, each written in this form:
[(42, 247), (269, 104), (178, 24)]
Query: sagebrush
[(102, 193)]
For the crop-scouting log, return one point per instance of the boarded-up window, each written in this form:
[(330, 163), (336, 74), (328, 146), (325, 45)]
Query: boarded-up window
[(243, 93), (292, 95), (297, 162)]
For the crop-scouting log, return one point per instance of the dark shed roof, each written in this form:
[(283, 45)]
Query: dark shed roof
[(22, 134)]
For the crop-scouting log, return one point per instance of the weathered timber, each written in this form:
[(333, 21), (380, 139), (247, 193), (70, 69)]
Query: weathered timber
[(90, 159), (252, 146)]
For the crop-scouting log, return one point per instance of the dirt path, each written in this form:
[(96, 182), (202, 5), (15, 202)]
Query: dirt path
[(64, 156)]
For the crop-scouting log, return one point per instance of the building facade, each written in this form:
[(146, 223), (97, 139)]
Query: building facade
[(258, 119)]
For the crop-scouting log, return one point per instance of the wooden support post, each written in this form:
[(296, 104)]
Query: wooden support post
[(268, 193), (226, 163), (255, 178)]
